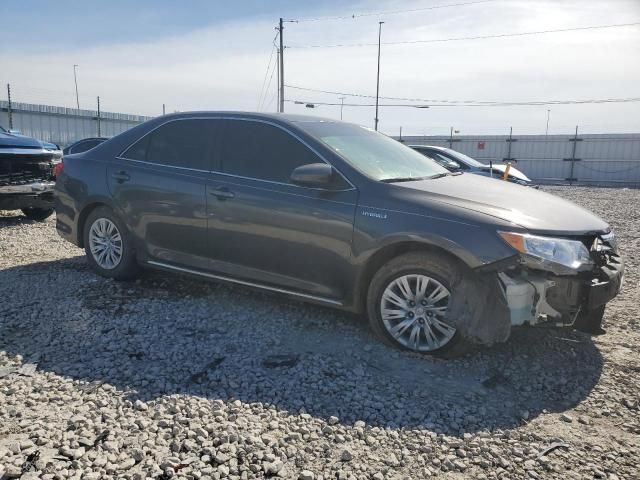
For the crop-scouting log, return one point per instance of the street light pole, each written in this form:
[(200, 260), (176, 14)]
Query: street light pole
[(341, 106), (378, 75), (75, 79)]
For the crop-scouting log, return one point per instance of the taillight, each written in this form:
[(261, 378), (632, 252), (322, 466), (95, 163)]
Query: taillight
[(57, 169)]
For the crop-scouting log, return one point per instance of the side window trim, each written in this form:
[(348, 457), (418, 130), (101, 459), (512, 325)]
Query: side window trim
[(297, 138), (217, 160)]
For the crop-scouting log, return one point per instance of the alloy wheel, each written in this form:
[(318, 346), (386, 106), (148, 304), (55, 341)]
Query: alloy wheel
[(413, 309), (105, 243)]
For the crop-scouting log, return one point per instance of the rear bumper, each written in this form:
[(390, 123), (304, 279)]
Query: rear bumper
[(32, 195)]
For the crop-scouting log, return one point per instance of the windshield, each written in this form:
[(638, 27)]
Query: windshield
[(375, 155), (472, 162)]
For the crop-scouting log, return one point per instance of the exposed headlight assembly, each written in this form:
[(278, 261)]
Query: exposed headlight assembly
[(568, 253)]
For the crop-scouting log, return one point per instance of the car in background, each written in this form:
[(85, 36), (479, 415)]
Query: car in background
[(456, 161), (27, 174), (83, 145), (340, 215)]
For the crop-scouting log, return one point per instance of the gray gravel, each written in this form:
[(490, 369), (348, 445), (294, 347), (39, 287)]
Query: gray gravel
[(170, 377)]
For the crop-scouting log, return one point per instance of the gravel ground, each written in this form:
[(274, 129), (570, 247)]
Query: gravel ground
[(171, 377)]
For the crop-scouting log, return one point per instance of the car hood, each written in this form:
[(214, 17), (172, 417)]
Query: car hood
[(514, 172), (528, 208), (8, 140)]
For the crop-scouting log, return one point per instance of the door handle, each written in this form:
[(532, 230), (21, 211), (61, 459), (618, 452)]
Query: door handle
[(121, 176), (222, 193)]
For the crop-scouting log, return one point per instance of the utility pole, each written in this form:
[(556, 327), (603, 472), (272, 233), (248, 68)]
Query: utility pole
[(75, 79), (281, 29), (10, 111), (278, 79), (341, 106), (546, 132), (163, 109), (98, 116), (378, 76)]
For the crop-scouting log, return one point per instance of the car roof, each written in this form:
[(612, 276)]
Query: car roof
[(282, 117)]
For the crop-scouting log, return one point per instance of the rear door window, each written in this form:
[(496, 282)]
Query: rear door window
[(180, 143), (262, 151)]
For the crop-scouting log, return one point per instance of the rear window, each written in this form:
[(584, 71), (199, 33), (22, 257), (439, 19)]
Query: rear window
[(84, 146)]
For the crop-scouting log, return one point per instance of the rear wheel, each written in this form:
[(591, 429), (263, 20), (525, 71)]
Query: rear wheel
[(408, 302), (109, 245), (37, 214)]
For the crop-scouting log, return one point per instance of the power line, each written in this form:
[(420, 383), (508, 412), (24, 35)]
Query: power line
[(266, 91), (385, 12), (503, 104), (477, 37), (302, 102), (266, 73), (436, 102)]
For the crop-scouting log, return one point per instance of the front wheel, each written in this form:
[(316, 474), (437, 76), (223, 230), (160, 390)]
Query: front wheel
[(37, 214), (109, 245), (408, 301)]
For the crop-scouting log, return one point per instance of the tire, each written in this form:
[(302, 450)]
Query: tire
[(37, 214), (106, 222), (442, 272), (590, 321)]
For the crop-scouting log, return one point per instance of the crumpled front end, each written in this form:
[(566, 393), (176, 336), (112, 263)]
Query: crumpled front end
[(543, 292), (26, 177)]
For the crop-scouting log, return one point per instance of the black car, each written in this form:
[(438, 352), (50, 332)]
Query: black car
[(27, 174), (339, 215), (83, 145)]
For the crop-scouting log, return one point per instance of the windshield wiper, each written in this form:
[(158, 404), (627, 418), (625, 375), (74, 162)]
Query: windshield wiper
[(445, 174), (402, 179), (413, 179)]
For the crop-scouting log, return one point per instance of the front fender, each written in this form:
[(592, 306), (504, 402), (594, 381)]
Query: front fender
[(476, 245)]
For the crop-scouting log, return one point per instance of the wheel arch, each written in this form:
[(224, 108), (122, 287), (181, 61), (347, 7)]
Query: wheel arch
[(84, 214), (384, 254)]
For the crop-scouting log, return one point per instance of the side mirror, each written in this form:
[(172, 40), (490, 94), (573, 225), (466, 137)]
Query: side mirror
[(455, 165), (313, 175)]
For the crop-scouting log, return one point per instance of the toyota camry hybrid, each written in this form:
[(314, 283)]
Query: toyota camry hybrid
[(339, 215)]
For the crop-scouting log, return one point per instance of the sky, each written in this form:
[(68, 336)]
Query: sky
[(213, 55)]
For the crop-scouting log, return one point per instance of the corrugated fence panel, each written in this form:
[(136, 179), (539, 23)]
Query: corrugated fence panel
[(62, 125), (604, 159)]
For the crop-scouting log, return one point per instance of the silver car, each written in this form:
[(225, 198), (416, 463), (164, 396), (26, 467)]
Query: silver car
[(456, 161)]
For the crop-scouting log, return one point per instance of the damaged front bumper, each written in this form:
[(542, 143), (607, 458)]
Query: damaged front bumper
[(37, 194), (535, 296)]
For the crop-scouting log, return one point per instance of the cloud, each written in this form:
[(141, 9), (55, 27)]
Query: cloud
[(222, 66)]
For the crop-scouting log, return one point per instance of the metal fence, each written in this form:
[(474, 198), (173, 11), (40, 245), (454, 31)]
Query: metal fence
[(594, 159), (62, 125)]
